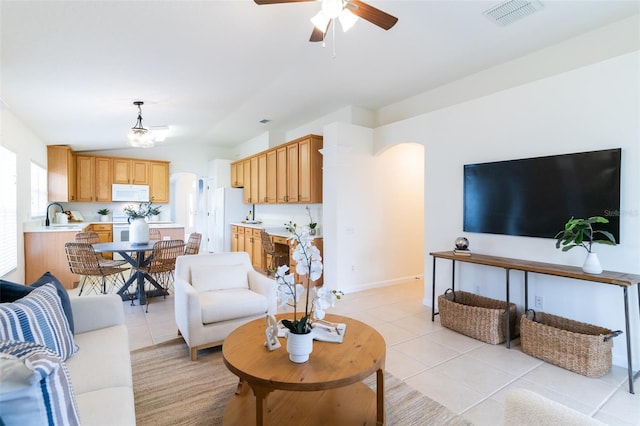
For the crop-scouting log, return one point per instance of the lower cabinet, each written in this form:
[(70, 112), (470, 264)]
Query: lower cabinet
[(44, 251), (105, 234), (249, 239)]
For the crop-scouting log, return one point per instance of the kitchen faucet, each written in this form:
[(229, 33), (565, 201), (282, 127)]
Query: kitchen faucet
[(46, 222)]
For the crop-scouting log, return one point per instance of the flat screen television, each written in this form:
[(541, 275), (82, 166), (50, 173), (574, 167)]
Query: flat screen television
[(534, 197)]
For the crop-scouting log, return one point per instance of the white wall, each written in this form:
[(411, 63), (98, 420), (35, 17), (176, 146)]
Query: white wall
[(28, 147), (590, 108), (373, 209)]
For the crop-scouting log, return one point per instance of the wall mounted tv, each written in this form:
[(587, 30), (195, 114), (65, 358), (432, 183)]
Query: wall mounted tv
[(534, 197)]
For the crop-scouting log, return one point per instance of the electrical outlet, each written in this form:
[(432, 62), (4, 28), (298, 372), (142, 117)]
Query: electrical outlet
[(539, 302), (477, 289), (353, 267)]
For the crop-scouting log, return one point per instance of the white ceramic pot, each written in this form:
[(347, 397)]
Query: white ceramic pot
[(299, 346), (139, 231), (104, 218), (592, 264)]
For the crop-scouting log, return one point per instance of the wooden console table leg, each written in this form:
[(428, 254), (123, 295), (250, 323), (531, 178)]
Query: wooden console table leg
[(433, 291), (380, 397)]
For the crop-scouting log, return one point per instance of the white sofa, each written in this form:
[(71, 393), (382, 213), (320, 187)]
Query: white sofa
[(101, 369), (216, 293)]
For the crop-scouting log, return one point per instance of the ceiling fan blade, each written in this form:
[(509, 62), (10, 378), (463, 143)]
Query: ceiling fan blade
[(317, 35), (261, 2), (371, 14)]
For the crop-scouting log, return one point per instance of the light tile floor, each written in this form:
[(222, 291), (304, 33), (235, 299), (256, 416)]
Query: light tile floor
[(467, 376)]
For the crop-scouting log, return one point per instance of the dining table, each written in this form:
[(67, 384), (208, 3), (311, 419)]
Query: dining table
[(138, 255)]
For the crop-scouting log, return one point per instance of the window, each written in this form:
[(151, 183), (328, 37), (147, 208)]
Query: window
[(38, 190), (8, 213)]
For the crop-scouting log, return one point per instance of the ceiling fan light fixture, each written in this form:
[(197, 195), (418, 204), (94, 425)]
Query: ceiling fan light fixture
[(139, 137), (332, 8), (347, 20), (320, 21)]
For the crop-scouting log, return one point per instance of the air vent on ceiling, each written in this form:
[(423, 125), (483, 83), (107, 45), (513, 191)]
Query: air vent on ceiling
[(512, 10)]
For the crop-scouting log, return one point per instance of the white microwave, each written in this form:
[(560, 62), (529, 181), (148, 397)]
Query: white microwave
[(121, 192)]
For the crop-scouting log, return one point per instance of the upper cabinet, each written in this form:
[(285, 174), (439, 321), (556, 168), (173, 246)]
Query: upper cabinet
[(159, 181), (61, 173), (289, 173), (237, 174), (88, 178), (93, 178), (130, 171)]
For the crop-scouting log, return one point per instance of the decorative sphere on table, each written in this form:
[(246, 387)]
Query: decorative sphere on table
[(462, 243)]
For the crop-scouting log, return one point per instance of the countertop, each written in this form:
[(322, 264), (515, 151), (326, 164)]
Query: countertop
[(80, 226), (279, 231)]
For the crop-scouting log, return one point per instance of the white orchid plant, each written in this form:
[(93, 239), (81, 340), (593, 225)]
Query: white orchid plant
[(309, 265)]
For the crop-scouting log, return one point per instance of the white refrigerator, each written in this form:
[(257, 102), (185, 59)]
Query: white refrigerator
[(226, 207)]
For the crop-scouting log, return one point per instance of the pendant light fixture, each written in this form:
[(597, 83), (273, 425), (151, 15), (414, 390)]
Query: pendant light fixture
[(139, 137)]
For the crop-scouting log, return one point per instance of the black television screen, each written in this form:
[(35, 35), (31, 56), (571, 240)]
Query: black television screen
[(535, 197)]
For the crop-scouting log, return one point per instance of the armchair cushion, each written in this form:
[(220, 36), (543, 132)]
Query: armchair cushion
[(219, 277), (229, 304)]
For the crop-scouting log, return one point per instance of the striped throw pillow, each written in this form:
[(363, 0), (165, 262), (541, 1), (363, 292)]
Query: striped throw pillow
[(38, 317), (35, 387)]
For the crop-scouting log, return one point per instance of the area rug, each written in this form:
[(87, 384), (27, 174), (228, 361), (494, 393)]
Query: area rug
[(170, 389)]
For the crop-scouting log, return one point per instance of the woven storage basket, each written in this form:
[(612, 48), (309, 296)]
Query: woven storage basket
[(577, 346), (476, 316)]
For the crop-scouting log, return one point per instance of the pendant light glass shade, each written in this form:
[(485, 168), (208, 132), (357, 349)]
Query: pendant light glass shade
[(139, 137)]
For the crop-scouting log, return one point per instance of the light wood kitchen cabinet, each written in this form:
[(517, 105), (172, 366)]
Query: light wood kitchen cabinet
[(248, 243), (292, 173), (309, 170), (105, 235), (262, 178), (256, 255), (255, 184), (246, 179), (281, 175), (93, 176), (237, 174), (292, 263), (237, 238), (159, 181), (61, 173), (289, 173), (130, 171), (271, 176), (44, 251)]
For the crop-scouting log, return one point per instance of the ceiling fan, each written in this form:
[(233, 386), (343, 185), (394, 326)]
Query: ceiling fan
[(346, 11)]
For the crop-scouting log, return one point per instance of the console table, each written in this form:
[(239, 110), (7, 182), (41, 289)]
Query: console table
[(620, 279)]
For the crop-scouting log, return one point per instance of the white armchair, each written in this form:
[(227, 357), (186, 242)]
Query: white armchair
[(216, 293)]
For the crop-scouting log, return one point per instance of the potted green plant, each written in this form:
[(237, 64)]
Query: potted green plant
[(580, 233), (312, 223), (154, 213), (104, 214)]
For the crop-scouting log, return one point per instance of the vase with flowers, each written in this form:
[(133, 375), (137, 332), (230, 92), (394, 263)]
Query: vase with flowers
[(317, 300), (138, 225), (312, 224)]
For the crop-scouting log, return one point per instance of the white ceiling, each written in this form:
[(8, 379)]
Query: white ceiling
[(211, 70)]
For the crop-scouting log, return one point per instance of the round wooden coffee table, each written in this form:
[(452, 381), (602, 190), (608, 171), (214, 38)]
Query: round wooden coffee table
[(325, 390)]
